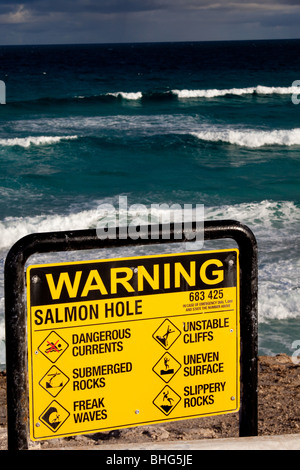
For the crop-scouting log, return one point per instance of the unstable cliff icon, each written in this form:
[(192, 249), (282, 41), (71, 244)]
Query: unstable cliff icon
[(166, 334)]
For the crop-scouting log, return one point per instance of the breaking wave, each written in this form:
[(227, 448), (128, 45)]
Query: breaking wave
[(258, 90), (34, 140), (279, 294), (163, 95), (251, 138), (127, 96)]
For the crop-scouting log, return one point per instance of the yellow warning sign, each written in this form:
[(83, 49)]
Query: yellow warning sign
[(132, 341)]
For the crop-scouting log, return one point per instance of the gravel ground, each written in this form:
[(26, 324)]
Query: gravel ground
[(278, 413)]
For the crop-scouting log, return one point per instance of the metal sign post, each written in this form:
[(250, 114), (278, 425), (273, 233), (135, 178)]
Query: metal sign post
[(16, 324)]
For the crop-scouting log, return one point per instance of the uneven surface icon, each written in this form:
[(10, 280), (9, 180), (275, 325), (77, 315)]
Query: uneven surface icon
[(167, 400), (166, 334), (53, 346), (54, 416), (54, 381), (166, 367)]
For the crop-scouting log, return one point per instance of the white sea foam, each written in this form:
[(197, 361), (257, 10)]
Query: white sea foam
[(275, 224), (34, 140), (14, 228), (263, 215), (279, 289), (266, 217), (213, 93), (249, 137), (209, 93), (113, 123), (152, 125), (127, 95)]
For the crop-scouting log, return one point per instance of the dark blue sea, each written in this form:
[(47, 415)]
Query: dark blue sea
[(212, 123)]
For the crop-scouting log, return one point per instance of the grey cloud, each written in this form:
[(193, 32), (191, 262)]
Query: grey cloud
[(113, 6), (106, 7), (145, 20)]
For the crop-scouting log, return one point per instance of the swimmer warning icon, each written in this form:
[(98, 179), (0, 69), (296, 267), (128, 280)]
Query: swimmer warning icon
[(53, 346), (167, 400), (166, 334), (54, 416)]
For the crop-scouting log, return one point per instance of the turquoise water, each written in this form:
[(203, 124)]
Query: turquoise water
[(194, 123)]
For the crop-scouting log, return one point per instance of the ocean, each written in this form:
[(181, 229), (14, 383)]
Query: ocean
[(212, 123)]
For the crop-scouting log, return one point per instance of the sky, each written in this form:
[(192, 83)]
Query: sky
[(118, 21)]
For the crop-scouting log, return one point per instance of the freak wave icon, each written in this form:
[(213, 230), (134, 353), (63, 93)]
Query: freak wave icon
[(54, 416)]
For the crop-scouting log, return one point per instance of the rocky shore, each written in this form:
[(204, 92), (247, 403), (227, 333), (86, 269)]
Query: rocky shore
[(278, 413)]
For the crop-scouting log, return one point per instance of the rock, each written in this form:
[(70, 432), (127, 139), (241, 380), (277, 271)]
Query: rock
[(157, 433)]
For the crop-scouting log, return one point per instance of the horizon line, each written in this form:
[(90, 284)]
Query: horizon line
[(148, 42)]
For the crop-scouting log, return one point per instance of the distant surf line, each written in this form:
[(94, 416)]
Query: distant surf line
[(209, 93)]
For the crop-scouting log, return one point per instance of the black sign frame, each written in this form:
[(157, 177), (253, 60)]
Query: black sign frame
[(77, 240)]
